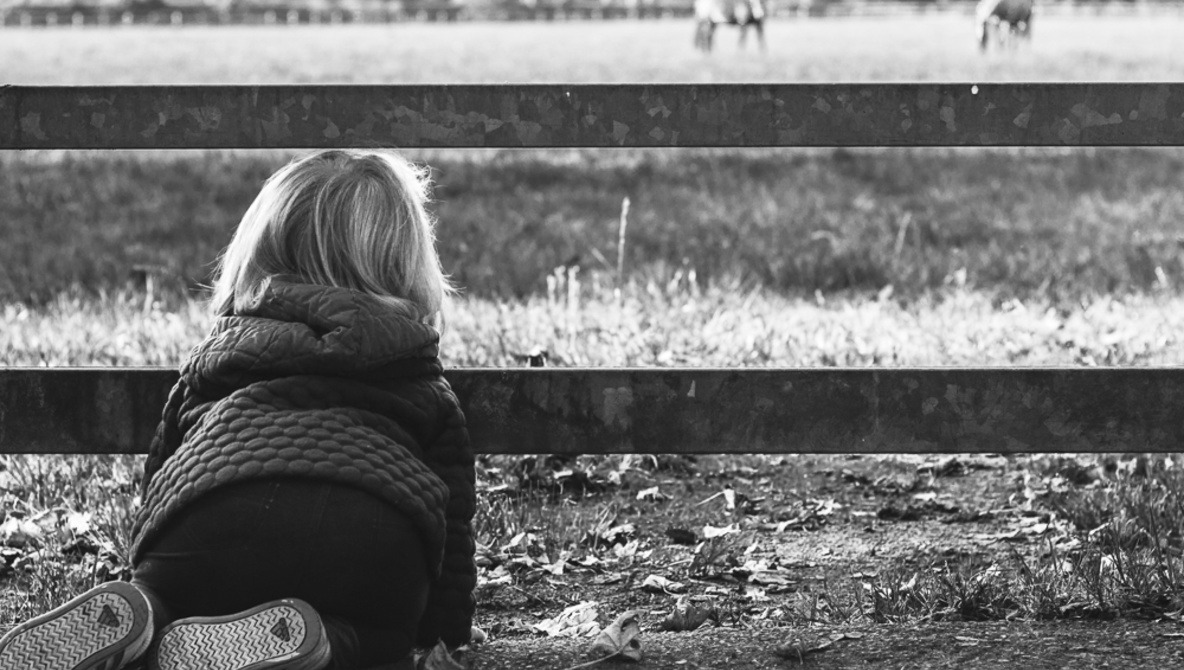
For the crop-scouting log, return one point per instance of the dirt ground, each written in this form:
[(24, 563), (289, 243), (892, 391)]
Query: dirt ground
[(808, 527), (967, 646)]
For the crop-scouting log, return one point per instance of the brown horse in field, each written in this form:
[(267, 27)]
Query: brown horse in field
[(1009, 19), (743, 13)]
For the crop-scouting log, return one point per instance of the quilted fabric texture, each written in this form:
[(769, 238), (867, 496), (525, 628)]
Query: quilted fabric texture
[(329, 384)]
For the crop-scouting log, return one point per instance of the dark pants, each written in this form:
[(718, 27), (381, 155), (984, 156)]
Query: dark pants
[(352, 556)]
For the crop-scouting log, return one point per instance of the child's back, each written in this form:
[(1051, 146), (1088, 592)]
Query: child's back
[(310, 489)]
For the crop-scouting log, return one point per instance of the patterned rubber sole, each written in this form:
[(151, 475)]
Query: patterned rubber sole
[(284, 635), (99, 630)]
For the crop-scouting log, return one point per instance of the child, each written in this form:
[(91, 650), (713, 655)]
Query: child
[(307, 498)]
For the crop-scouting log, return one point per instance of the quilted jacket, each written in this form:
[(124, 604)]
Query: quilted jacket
[(328, 384)]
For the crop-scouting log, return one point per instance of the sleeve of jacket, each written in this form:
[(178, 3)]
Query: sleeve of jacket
[(451, 603), (168, 435)]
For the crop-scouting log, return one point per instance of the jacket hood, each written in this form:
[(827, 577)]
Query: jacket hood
[(304, 329)]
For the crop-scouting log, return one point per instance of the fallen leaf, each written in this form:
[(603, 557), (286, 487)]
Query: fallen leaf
[(438, 659), (687, 615), (770, 578), (620, 638), (712, 531), (557, 568), (652, 493), (575, 621), (618, 534), (659, 584), (79, 523), (629, 550), (20, 532)]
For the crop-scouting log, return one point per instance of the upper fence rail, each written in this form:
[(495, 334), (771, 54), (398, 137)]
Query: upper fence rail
[(592, 115)]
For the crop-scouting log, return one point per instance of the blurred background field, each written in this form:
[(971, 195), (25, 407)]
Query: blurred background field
[(917, 47)]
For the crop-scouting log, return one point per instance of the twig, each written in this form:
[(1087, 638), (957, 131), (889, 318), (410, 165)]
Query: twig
[(621, 242), (709, 499), (900, 234)]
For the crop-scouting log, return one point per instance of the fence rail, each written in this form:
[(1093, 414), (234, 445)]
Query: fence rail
[(592, 115), (590, 411)]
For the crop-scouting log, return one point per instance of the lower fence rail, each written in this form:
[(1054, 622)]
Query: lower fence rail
[(686, 410)]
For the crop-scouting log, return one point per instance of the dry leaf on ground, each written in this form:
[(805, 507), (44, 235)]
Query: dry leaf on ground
[(438, 659), (620, 638), (659, 584), (575, 621), (687, 615)]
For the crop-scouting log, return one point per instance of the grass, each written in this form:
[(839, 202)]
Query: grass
[(1119, 552), (1050, 225), (666, 322), (66, 526)]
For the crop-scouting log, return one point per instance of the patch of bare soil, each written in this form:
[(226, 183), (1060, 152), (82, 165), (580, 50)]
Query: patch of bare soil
[(965, 646), (765, 549)]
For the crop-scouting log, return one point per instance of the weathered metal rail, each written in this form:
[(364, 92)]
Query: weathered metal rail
[(587, 411), (592, 115)]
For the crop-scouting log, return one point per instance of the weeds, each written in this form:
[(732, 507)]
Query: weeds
[(660, 321), (65, 522), (1120, 555)]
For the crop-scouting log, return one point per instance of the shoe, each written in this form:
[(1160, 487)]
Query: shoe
[(279, 635), (108, 627)]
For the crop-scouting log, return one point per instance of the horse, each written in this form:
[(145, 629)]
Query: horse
[(1015, 15), (743, 13)]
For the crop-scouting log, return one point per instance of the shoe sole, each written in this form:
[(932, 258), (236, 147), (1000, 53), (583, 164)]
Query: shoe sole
[(101, 629), (281, 635)]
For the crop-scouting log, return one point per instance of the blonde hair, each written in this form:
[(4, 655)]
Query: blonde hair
[(347, 218)]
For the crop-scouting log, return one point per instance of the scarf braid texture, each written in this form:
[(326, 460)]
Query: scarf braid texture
[(327, 384)]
